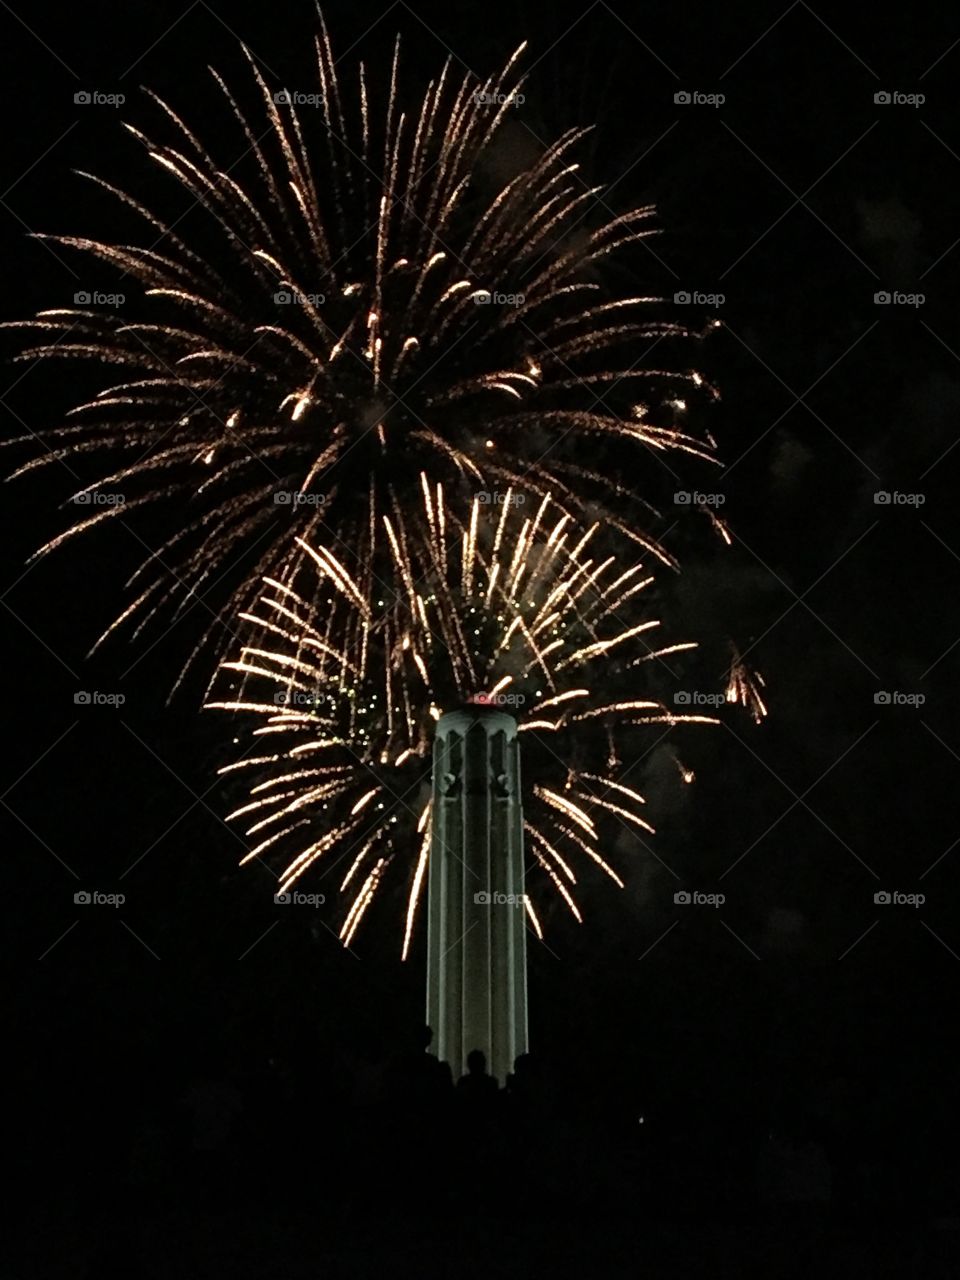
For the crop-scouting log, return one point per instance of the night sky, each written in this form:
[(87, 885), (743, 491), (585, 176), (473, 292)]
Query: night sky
[(795, 201)]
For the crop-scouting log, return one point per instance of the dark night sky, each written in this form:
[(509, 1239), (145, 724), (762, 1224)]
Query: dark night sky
[(797, 199)]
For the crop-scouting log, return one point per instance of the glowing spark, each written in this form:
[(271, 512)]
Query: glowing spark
[(744, 686)]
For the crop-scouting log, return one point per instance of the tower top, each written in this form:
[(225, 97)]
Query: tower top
[(487, 714)]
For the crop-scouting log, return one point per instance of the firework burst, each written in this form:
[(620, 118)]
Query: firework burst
[(283, 379), (744, 687), (520, 609)]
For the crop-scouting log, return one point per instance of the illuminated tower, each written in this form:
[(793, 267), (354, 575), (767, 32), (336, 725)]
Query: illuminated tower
[(476, 922)]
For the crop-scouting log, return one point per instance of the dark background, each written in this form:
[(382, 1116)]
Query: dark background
[(797, 199)]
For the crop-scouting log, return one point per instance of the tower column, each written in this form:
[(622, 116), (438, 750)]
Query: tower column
[(476, 921)]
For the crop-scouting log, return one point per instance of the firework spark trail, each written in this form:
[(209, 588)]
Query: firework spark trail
[(292, 358), (744, 685), (348, 695)]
